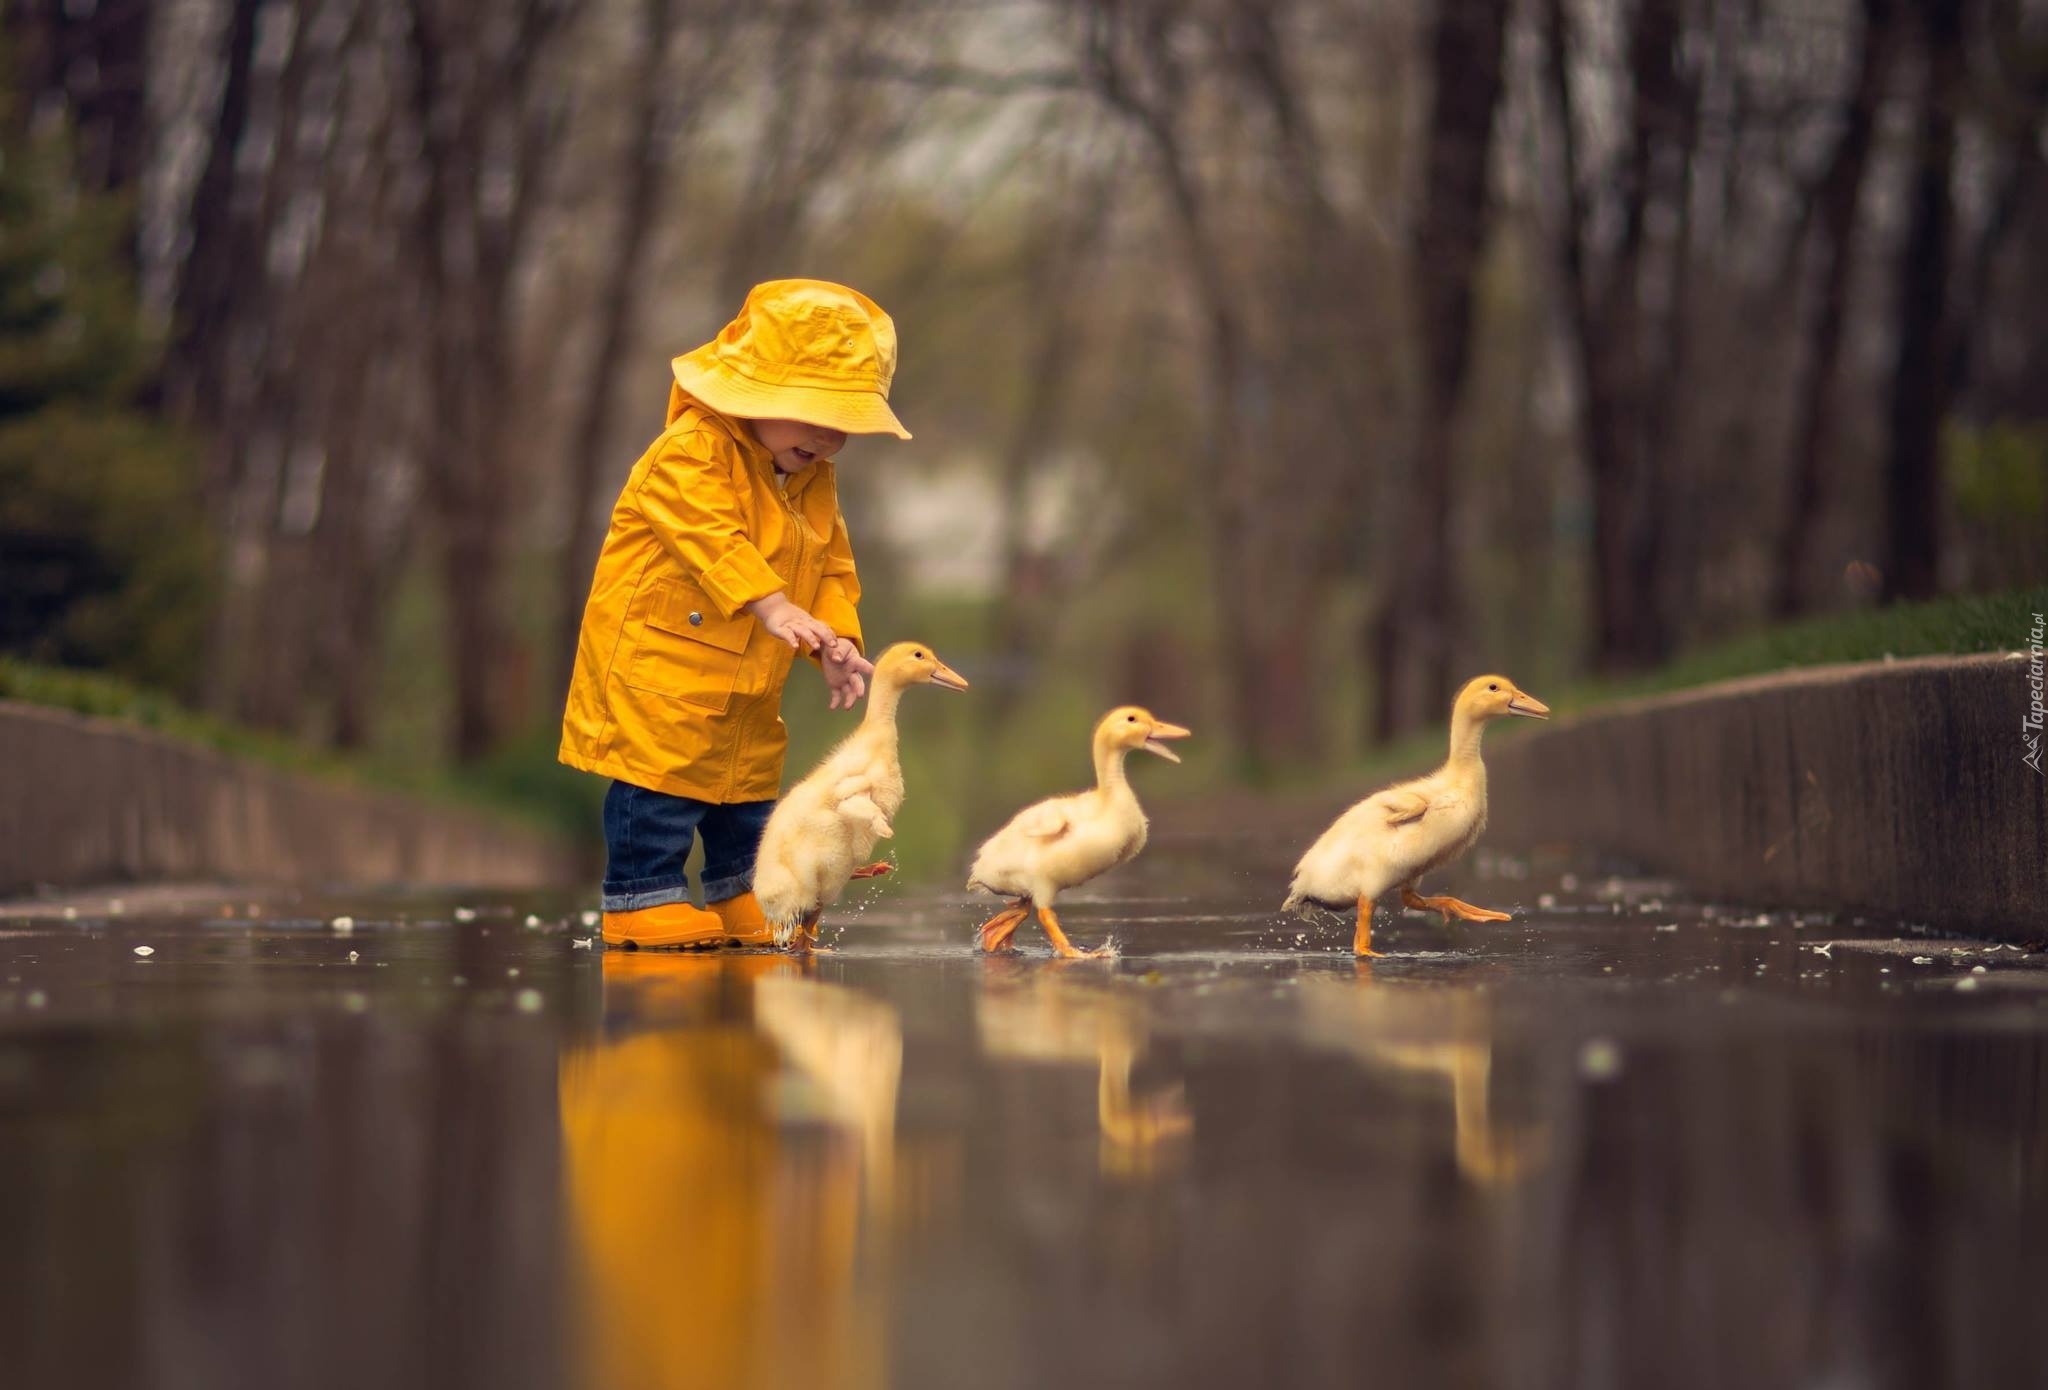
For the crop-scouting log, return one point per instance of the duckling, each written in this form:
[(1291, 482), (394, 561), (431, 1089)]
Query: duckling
[(831, 820), (1064, 841), (1395, 836)]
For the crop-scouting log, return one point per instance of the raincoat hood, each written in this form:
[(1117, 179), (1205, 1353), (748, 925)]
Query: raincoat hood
[(805, 350)]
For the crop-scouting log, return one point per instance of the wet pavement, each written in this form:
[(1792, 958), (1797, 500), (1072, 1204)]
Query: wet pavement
[(1624, 1140)]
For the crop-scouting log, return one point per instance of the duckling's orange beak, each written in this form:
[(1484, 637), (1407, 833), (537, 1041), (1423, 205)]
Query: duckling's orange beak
[(1153, 743), (946, 678), (1528, 706)]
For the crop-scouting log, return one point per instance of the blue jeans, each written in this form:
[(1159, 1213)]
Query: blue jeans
[(647, 837)]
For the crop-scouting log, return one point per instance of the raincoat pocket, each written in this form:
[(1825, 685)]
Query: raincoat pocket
[(687, 650)]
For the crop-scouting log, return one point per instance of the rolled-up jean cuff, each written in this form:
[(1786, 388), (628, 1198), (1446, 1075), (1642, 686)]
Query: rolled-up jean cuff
[(717, 890), (645, 893)]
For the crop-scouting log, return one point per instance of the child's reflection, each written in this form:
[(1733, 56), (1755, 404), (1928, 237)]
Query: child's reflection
[(716, 1156)]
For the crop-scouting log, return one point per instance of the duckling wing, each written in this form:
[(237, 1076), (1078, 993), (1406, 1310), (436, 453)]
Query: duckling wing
[(1045, 821), (1402, 805)]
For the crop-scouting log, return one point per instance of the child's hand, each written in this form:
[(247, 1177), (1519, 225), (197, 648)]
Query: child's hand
[(791, 624), (846, 672)]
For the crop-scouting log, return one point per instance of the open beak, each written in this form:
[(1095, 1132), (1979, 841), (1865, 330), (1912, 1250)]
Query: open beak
[(1154, 741), (1528, 706), (946, 678)]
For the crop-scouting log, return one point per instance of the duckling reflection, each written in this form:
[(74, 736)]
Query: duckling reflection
[(1044, 1015), (1440, 1035), (719, 1152)]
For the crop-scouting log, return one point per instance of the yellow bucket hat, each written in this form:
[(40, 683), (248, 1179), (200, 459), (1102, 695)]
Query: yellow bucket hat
[(805, 350)]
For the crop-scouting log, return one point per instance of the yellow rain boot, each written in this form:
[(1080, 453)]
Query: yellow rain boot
[(744, 923), (669, 926)]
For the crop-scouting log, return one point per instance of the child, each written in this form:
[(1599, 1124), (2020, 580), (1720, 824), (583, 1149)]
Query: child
[(726, 556)]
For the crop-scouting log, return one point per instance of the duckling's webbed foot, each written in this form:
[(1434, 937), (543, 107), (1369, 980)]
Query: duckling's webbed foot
[(805, 938), (1049, 920), (1451, 908), (997, 930), (872, 870)]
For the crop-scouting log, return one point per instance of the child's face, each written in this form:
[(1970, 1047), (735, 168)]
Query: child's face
[(797, 446)]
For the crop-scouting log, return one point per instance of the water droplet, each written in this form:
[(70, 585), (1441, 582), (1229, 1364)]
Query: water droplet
[(145, 950), (343, 925)]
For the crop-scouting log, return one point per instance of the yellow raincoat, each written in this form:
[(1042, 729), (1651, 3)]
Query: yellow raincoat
[(677, 688)]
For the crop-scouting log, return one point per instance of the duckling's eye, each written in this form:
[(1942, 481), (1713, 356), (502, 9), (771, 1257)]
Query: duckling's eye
[(1493, 687), (1130, 719), (918, 655)]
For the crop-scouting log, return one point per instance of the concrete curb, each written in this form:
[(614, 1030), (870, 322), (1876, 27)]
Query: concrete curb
[(1891, 788), (88, 801)]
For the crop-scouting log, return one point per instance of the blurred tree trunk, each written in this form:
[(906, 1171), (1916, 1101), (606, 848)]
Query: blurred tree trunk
[(1920, 388), (1054, 293), (1614, 342), (1416, 627), (1838, 198), (204, 320), (645, 178), (1134, 61), (485, 129)]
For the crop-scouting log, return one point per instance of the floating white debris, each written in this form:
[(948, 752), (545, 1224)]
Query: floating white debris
[(579, 943), (531, 920), (145, 950), (1968, 982), (1923, 960), (1826, 948), (529, 1001), (1599, 1059), (513, 973), (465, 914), (590, 918), (1668, 926), (1976, 970), (343, 925), (352, 957)]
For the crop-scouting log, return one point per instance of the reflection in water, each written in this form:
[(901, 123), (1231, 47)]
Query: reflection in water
[(722, 1139), (1443, 1036), (1052, 1015)]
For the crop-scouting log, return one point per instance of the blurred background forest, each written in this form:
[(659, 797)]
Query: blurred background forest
[(1276, 365)]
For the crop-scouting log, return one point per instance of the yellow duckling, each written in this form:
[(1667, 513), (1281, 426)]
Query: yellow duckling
[(1395, 836), (828, 824), (1064, 841)]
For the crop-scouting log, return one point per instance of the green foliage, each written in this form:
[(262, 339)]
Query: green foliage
[(1998, 473), (104, 556)]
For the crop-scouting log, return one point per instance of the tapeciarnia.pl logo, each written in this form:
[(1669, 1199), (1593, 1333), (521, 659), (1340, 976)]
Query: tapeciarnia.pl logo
[(2037, 714)]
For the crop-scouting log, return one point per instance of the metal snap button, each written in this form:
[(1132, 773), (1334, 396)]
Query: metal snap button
[(696, 620)]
